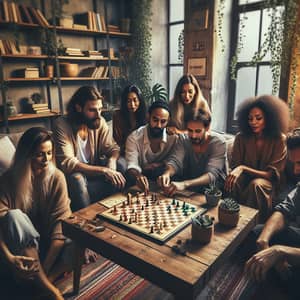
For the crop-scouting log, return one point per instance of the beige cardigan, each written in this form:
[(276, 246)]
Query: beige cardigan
[(65, 134), (51, 205)]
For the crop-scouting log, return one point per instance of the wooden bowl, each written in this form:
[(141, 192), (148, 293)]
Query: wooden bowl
[(68, 70)]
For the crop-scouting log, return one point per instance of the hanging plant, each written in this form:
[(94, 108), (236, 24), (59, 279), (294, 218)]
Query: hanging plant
[(220, 16), (181, 46), (142, 42), (278, 41)]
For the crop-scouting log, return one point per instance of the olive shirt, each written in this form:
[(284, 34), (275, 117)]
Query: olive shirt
[(65, 135)]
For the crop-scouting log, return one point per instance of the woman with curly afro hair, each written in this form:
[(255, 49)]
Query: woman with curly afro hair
[(259, 152)]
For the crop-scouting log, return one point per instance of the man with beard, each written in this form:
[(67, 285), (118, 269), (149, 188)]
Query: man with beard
[(199, 158), (148, 147), (86, 151)]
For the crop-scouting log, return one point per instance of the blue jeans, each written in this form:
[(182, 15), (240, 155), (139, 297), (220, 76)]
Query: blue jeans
[(85, 190)]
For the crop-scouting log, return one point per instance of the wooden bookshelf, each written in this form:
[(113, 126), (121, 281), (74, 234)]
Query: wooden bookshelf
[(25, 116)]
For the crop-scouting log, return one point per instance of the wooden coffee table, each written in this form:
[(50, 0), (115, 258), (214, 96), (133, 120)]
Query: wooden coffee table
[(183, 274)]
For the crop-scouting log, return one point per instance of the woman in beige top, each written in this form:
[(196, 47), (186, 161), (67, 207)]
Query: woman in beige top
[(33, 201), (188, 99)]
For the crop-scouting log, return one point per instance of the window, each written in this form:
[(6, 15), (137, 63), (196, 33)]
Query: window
[(175, 43), (254, 19)]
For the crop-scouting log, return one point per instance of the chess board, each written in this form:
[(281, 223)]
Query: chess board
[(153, 216)]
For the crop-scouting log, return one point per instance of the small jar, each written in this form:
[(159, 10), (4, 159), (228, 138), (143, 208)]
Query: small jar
[(11, 109)]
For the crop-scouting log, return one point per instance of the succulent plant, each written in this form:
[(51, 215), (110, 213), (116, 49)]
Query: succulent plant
[(229, 204), (212, 189), (203, 221)]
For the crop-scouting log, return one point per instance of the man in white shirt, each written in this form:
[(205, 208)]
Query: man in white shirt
[(148, 147)]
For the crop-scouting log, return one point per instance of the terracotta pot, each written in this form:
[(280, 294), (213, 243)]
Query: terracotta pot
[(202, 234), (227, 217), (212, 200), (68, 70), (49, 71)]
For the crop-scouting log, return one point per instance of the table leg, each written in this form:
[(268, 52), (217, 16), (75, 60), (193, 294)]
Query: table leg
[(77, 265)]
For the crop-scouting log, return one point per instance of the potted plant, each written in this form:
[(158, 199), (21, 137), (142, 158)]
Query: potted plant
[(212, 194), (229, 212), (202, 228)]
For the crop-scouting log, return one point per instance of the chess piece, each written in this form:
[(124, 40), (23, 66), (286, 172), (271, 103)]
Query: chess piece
[(129, 196)]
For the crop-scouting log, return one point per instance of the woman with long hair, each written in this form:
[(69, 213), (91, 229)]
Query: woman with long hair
[(188, 99), (33, 201), (259, 152), (132, 115)]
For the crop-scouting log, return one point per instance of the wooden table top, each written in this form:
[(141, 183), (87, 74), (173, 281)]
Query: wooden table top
[(183, 275)]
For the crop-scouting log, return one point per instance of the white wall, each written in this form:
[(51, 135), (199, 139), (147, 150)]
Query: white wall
[(159, 42), (220, 75)]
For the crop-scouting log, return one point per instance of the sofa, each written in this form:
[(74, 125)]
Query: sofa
[(8, 143)]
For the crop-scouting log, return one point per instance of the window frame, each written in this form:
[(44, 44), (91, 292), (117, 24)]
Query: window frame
[(169, 64), (238, 9)]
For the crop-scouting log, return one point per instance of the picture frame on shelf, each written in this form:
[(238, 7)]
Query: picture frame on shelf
[(197, 66)]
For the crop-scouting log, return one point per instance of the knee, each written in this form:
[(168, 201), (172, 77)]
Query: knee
[(260, 184)]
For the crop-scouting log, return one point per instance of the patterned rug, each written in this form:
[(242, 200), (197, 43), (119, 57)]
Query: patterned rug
[(104, 279)]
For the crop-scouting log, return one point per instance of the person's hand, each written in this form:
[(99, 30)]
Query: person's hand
[(143, 183), (258, 265), (232, 178), (24, 267), (171, 130), (163, 181), (174, 187), (115, 177), (262, 244)]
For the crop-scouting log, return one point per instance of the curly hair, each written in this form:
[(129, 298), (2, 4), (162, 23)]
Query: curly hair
[(275, 111), (141, 111), (80, 97), (177, 107)]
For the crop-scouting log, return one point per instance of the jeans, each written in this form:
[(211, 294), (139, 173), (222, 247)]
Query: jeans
[(85, 190)]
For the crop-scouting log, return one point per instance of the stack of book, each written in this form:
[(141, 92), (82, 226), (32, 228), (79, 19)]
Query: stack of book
[(29, 72), (93, 53), (73, 52), (113, 28), (38, 108), (108, 52)]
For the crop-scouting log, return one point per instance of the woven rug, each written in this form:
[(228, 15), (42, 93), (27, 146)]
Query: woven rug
[(107, 280), (104, 279)]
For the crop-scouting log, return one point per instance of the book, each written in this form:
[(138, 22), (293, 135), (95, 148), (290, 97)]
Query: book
[(26, 17), (27, 73), (80, 26), (84, 19), (42, 18), (39, 105), (5, 10)]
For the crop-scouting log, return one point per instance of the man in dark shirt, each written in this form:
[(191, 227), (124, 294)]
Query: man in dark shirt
[(279, 240)]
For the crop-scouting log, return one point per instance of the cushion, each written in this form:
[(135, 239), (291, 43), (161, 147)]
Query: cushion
[(6, 154)]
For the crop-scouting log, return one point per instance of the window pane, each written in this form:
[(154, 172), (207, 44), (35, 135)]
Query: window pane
[(175, 31), (245, 85), (176, 10), (248, 1), (250, 35), (266, 21), (174, 75), (265, 80)]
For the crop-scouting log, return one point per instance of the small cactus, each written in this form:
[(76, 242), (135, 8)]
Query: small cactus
[(203, 221), (212, 189), (229, 204)]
